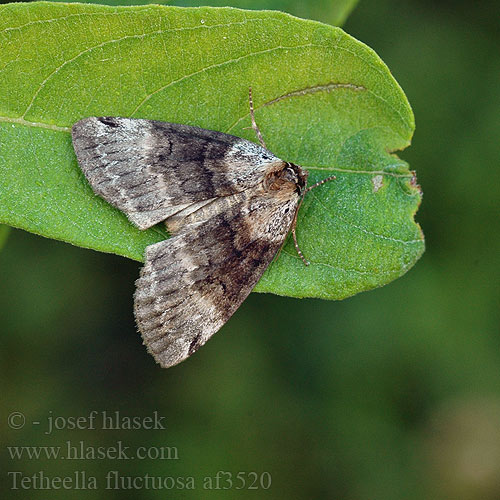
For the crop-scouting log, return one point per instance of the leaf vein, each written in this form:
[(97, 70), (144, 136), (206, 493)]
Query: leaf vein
[(360, 228), (213, 66), (346, 270), (118, 40)]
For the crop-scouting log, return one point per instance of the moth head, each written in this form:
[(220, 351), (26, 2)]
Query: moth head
[(286, 177)]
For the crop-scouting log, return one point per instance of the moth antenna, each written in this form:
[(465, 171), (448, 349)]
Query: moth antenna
[(331, 178), (294, 223), (299, 251), (254, 123), (294, 234)]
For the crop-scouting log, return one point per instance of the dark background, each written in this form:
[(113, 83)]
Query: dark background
[(391, 394)]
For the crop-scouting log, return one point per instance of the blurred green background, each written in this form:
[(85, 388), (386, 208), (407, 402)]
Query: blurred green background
[(391, 394)]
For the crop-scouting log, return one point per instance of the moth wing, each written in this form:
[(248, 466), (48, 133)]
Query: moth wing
[(151, 170), (192, 283)]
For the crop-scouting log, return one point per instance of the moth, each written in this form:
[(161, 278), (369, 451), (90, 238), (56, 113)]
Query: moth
[(228, 205)]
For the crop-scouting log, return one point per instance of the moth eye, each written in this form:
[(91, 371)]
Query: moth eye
[(290, 175)]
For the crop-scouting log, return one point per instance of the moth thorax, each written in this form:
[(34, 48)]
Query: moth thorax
[(287, 177)]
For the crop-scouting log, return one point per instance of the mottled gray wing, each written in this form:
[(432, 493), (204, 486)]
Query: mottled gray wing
[(151, 170), (193, 282)]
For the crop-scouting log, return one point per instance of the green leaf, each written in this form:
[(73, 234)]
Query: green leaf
[(323, 100)]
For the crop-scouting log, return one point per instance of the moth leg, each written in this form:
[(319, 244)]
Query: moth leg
[(254, 123)]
